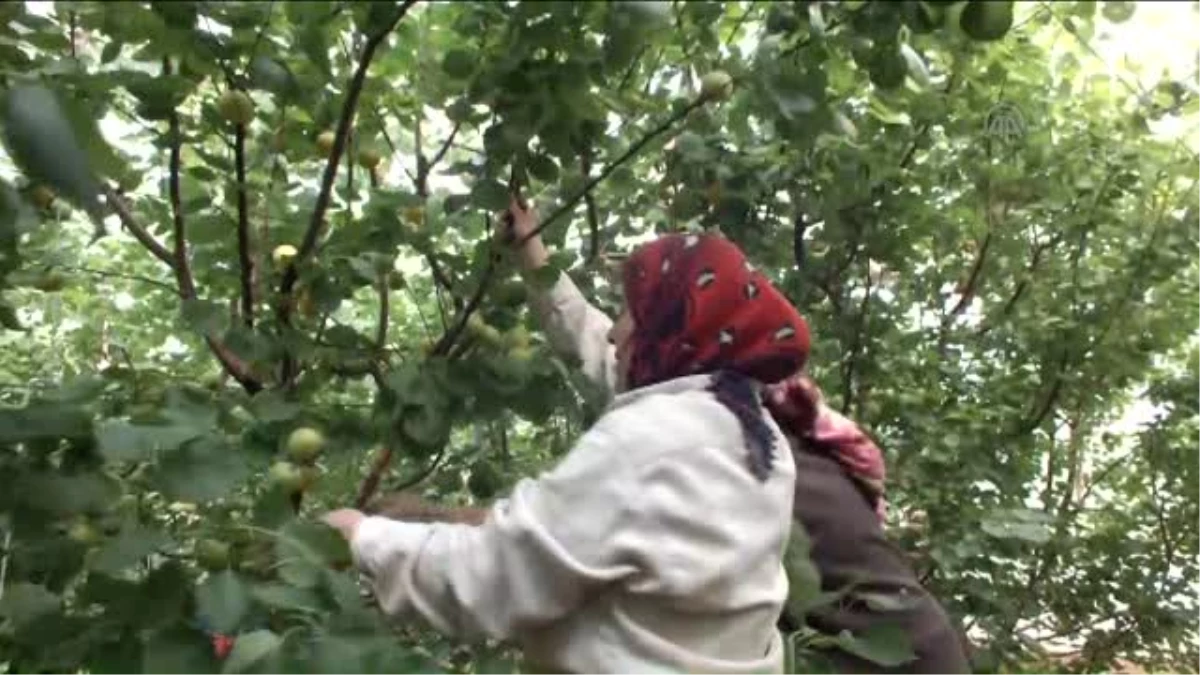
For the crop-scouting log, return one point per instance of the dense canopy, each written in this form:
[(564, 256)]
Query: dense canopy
[(223, 223)]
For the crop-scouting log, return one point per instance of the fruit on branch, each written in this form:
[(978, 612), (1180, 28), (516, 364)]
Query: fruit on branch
[(986, 21), (236, 107), (51, 282), (83, 532), (283, 254), (396, 280), (306, 305), (521, 355), (369, 158), (484, 332), (42, 196), (716, 86), (212, 555), (325, 142), (287, 476), (304, 445)]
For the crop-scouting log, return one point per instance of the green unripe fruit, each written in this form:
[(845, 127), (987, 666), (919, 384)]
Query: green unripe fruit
[(716, 86), (212, 555), (236, 107), (83, 532), (287, 476), (304, 445), (986, 21), (369, 159)]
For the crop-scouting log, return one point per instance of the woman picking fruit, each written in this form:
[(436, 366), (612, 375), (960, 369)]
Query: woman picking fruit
[(657, 544)]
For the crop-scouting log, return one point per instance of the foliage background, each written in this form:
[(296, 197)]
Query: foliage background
[(995, 242)]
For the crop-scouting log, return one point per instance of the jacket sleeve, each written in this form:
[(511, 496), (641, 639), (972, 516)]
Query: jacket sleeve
[(578, 329), (554, 540)]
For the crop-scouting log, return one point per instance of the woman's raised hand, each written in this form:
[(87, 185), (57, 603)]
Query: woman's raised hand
[(516, 225)]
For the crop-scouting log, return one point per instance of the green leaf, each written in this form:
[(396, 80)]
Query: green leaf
[(179, 650), (1021, 524), (128, 548), (201, 471), (804, 580), (273, 406), (223, 600), (24, 603), (543, 168), (122, 442), (490, 195), (251, 649), (204, 317), (883, 644), (8, 317), (281, 596), (315, 542), (43, 144), (458, 64), (1118, 11), (44, 421)]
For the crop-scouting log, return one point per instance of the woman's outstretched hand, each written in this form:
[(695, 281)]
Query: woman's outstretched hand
[(345, 521), (515, 225)]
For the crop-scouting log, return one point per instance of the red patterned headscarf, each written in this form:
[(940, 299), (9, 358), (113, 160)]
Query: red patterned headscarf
[(698, 306)]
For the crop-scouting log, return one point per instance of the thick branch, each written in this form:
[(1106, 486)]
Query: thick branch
[(1023, 285), (968, 292), (384, 309), (610, 168), (371, 483), (341, 135), (183, 273), (316, 223), (245, 257)]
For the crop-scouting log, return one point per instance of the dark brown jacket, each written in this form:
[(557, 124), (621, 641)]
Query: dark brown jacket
[(848, 545)]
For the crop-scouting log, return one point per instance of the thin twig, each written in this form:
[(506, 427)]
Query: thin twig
[(443, 345), (593, 219), (610, 168), (120, 275), (258, 38), (130, 223), (245, 256)]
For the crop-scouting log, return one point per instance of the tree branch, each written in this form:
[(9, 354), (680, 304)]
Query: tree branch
[(316, 223), (972, 285), (610, 168), (384, 309), (245, 257), (183, 273), (441, 153), (130, 223), (421, 184), (371, 483), (118, 275), (852, 357), (443, 345), (1038, 251), (341, 135), (585, 163)]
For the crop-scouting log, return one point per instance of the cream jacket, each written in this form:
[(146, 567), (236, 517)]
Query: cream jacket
[(651, 548)]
